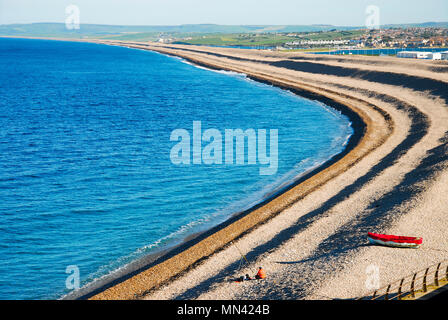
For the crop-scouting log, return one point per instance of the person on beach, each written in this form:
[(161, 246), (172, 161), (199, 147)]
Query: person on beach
[(260, 274)]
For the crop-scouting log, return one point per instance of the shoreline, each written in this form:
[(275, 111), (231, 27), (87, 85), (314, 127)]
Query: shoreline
[(393, 181), (397, 188), (359, 125), (165, 253)]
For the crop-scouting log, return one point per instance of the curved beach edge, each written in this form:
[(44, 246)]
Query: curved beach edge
[(369, 133)]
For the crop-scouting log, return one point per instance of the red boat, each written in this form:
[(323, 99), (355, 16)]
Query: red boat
[(395, 241)]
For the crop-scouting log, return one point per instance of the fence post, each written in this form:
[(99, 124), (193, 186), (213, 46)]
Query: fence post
[(446, 275), (399, 289), (425, 288), (436, 276), (387, 293), (413, 285)]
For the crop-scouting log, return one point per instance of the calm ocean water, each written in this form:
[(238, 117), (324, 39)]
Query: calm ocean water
[(85, 171)]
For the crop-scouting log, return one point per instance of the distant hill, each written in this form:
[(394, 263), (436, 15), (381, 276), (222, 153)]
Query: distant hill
[(149, 32), (91, 30)]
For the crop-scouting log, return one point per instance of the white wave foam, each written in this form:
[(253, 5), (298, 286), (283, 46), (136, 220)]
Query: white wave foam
[(226, 72)]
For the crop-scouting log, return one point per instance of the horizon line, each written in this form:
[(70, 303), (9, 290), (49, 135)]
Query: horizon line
[(218, 24)]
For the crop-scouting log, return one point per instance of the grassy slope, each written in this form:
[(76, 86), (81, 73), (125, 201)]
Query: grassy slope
[(239, 40), (36, 29), (267, 39)]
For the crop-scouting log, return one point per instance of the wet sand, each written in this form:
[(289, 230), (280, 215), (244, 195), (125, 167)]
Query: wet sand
[(311, 239)]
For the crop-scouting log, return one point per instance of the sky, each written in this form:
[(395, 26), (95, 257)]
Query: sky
[(227, 12)]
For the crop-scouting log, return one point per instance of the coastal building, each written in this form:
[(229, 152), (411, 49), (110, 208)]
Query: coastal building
[(165, 40), (437, 41), (318, 42), (415, 55), (357, 43), (436, 56)]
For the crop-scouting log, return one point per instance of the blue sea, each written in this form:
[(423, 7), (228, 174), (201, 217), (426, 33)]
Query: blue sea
[(86, 178)]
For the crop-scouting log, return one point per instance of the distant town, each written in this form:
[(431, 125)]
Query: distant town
[(429, 37), (348, 39), (387, 38)]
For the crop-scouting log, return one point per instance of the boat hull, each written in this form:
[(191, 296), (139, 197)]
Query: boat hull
[(394, 241)]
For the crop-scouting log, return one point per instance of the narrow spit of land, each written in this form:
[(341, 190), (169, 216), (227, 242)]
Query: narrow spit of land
[(311, 240)]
